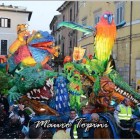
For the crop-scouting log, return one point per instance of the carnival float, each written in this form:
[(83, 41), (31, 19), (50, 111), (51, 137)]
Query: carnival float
[(88, 84)]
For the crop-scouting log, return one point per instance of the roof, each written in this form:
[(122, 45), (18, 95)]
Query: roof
[(53, 20), (63, 6), (12, 9)]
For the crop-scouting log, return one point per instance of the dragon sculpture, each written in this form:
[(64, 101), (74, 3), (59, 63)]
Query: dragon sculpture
[(107, 83), (35, 84), (32, 49), (5, 81), (33, 77)]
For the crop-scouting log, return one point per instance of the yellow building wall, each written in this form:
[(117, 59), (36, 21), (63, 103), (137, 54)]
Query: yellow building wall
[(87, 10), (121, 48)]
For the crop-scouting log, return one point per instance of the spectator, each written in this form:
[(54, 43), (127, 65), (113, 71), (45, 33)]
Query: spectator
[(138, 89), (24, 117), (46, 134), (61, 134), (123, 116), (4, 101), (35, 133), (74, 131), (2, 115), (13, 129), (73, 116), (98, 133)]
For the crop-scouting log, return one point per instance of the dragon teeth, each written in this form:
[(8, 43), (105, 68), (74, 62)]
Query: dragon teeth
[(52, 92), (28, 94), (38, 90), (48, 83), (44, 88), (34, 90), (41, 96), (44, 97)]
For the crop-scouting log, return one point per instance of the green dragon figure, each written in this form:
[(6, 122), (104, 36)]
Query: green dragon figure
[(5, 81), (34, 82), (74, 85), (29, 81)]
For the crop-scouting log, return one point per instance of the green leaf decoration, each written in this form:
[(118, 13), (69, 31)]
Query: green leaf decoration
[(96, 86)]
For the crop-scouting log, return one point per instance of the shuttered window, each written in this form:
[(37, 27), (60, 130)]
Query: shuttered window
[(5, 22), (3, 47)]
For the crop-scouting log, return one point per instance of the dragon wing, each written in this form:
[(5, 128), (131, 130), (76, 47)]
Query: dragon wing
[(76, 26), (118, 26)]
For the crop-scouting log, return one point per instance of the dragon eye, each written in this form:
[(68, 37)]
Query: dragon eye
[(22, 78), (19, 69), (38, 70), (38, 35), (113, 16), (105, 16)]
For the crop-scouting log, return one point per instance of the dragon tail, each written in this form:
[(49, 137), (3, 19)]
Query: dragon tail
[(75, 26), (118, 80)]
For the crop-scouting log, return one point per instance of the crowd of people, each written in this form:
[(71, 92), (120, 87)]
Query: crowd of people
[(15, 123)]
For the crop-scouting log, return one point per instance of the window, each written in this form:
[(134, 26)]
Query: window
[(70, 14), (55, 42), (84, 22), (82, 3), (59, 40), (70, 48), (5, 22), (119, 12), (3, 47), (70, 44), (53, 28), (63, 50), (96, 16), (74, 44), (63, 17), (76, 8)]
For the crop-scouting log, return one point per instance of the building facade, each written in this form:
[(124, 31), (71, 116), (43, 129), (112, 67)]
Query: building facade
[(89, 15), (10, 17), (126, 50), (64, 37), (69, 12), (56, 33)]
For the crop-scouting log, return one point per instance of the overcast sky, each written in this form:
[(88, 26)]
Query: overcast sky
[(43, 12)]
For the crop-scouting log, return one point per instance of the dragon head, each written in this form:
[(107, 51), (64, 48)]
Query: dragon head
[(35, 82), (107, 18), (41, 45)]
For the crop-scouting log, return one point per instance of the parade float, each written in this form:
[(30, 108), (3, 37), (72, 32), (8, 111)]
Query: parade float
[(88, 84)]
